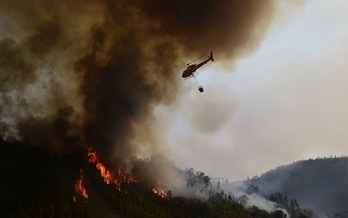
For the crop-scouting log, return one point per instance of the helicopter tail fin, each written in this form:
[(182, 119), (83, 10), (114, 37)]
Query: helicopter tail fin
[(211, 56)]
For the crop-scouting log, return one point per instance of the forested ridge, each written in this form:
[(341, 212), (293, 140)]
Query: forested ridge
[(320, 183), (35, 183)]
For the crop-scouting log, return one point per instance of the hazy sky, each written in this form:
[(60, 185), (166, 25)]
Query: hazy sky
[(287, 101)]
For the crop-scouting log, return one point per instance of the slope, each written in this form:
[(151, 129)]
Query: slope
[(319, 183), (36, 183)]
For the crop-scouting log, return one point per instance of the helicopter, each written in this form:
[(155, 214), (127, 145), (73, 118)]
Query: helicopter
[(191, 69)]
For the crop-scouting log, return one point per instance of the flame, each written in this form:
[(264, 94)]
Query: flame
[(109, 177), (80, 188), (118, 178), (160, 189)]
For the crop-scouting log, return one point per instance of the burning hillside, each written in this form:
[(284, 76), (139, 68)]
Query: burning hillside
[(117, 177), (56, 187), (80, 188)]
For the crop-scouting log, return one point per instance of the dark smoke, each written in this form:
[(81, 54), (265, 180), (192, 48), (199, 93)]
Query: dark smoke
[(51, 131), (227, 27), (85, 73)]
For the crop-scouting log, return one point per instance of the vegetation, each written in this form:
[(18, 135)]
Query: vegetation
[(317, 183), (36, 183)]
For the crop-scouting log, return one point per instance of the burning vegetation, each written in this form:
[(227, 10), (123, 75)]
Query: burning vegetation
[(48, 179), (80, 189), (118, 178), (160, 189)]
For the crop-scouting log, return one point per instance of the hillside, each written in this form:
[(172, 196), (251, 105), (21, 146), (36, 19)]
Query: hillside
[(319, 183), (36, 183)]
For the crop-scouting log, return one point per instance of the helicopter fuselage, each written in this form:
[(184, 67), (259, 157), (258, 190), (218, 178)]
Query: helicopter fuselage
[(191, 69)]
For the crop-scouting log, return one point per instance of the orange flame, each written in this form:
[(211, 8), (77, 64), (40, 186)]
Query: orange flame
[(109, 178), (80, 188), (160, 189), (118, 178)]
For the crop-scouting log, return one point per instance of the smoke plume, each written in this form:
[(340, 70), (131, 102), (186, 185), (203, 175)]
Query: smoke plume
[(87, 73)]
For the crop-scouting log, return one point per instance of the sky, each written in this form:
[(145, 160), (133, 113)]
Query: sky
[(284, 102)]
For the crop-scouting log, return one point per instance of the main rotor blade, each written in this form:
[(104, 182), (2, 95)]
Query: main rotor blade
[(198, 58)]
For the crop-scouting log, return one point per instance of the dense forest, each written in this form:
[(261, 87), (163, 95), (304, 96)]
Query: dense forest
[(36, 183), (320, 183)]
